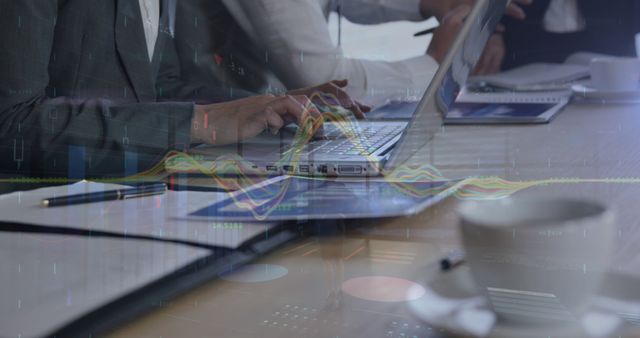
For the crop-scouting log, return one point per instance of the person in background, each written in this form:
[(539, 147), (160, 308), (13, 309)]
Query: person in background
[(278, 44), (92, 88), (555, 29)]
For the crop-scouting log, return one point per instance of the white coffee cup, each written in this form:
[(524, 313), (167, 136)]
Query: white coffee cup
[(615, 74), (539, 261)]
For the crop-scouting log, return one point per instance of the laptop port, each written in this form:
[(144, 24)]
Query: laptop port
[(323, 169), (304, 168), (272, 168), (349, 169), (288, 168)]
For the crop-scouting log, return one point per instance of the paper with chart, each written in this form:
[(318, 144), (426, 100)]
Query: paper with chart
[(300, 198)]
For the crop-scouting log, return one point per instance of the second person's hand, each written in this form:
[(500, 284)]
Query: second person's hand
[(440, 8), (446, 33), (492, 57)]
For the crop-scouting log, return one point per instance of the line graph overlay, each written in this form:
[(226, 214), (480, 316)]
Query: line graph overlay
[(411, 180)]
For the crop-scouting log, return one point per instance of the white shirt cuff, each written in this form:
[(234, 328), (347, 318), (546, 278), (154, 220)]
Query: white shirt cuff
[(401, 80)]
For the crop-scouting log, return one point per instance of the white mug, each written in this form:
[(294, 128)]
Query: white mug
[(538, 261), (615, 74)]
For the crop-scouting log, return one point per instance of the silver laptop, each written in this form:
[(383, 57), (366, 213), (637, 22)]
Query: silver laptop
[(369, 148)]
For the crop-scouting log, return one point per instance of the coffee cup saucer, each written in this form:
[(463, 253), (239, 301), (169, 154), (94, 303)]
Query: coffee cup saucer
[(589, 92), (453, 304)]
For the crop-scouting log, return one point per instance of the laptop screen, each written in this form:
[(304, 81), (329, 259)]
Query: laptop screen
[(449, 80)]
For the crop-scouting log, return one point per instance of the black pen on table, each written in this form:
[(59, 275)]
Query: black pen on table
[(110, 195), (425, 32), (452, 260)]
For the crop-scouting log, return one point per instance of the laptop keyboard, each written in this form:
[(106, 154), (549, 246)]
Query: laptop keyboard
[(365, 141)]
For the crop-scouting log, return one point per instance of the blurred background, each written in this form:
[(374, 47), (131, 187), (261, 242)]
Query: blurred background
[(389, 42)]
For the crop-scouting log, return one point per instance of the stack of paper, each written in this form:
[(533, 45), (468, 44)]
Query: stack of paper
[(50, 280)]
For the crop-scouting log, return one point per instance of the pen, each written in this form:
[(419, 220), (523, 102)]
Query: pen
[(111, 195), (425, 32), (452, 260)]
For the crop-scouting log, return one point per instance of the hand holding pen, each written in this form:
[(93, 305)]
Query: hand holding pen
[(513, 10)]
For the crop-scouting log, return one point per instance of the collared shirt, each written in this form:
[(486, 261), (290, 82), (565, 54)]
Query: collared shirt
[(376, 11), (150, 10), (563, 16), (295, 37)]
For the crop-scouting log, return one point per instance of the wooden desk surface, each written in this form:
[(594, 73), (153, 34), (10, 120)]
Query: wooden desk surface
[(587, 141)]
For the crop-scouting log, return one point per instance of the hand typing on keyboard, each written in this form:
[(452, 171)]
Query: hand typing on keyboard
[(334, 94)]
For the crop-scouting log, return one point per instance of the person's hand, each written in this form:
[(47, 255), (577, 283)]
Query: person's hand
[(235, 121), (446, 33), (515, 10), (491, 60), (334, 89), (440, 8)]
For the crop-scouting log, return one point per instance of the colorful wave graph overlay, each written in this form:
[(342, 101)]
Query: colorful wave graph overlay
[(415, 181), (237, 175)]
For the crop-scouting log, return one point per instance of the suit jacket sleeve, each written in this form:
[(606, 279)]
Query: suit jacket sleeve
[(41, 134), (173, 85)]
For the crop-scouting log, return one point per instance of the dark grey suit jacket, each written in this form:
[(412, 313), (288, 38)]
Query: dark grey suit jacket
[(611, 29), (78, 95), (212, 46)]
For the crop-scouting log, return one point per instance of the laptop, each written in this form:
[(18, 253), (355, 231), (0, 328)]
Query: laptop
[(365, 148)]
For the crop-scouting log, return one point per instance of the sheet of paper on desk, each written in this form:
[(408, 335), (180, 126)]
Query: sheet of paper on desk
[(49, 280), (298, 198), (149, 216), (542, 76)]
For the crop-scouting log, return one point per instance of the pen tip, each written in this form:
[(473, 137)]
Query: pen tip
[(45, 203)]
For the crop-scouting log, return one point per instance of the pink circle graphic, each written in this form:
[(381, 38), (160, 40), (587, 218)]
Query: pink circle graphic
[(383, 289)]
